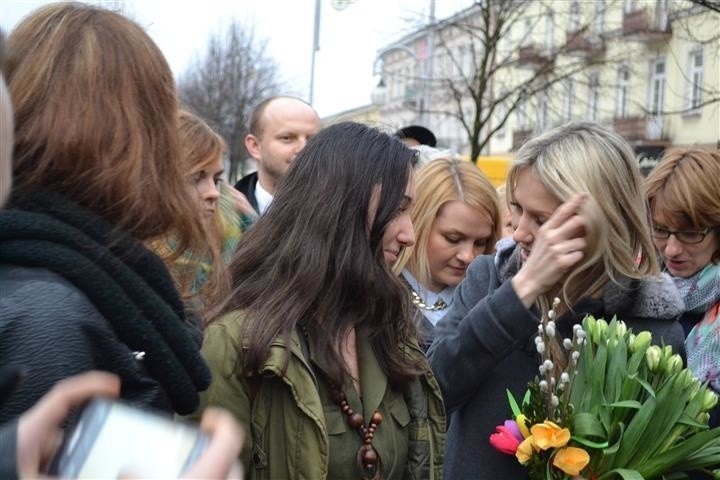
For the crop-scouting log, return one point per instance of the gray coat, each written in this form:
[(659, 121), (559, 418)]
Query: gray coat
[(485, 345), (50, 329)]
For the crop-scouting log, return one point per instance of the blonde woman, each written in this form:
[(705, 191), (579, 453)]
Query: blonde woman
[(581, 234), (456, 218)]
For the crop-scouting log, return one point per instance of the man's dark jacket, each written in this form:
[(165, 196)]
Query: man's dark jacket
[(246, 185)]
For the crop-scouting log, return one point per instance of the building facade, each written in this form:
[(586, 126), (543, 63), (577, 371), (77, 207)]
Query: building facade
[(650, 69)]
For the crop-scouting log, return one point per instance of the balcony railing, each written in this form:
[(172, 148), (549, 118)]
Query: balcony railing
[(531, 56), (583, 44), (639, 25), (641, 130)]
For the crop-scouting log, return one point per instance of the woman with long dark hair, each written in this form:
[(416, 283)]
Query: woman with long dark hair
[(315, 350)]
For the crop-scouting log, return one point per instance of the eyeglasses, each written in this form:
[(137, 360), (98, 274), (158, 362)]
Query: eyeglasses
[(688, 237)]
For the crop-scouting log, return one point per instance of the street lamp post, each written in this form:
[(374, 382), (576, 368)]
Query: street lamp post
[(379, 95), (422, 102)]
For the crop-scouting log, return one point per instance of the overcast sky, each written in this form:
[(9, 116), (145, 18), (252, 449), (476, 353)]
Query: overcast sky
[(349, 39)]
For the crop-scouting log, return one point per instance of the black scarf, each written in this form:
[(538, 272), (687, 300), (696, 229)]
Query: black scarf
[(129, 285)]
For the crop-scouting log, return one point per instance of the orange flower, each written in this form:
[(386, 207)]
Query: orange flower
[(525, 450), (571, 460), (550, 435)]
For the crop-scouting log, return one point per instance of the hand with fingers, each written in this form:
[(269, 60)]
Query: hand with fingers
[(39, 433), (558, 246), (242, 205), (220, 459)]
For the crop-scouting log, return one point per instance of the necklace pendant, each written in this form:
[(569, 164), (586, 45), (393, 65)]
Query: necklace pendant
[(369, 464)]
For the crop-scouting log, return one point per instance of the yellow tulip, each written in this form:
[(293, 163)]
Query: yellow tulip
[(571, 460), (525, 450), (549, 435), (521, 421)]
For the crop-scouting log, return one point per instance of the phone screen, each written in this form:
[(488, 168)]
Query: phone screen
[(113, 439)]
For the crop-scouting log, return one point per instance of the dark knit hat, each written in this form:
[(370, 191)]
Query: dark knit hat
[(416, 132)]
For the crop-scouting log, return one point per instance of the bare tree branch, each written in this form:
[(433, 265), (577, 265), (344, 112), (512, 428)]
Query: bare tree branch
[(484, 99), (223, 86), (709, 4)]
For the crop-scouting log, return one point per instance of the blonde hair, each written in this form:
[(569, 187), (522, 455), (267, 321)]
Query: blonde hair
[(685, 186), (96, 120), (588, 158), (441, 181)]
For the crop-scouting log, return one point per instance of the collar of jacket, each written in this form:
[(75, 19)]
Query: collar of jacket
[(646, 298)]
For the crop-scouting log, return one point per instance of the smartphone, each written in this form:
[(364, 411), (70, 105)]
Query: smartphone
[(113, 439)]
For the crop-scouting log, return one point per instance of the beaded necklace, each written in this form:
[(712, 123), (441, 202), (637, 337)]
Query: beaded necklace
[(367, 458), (420, 303)]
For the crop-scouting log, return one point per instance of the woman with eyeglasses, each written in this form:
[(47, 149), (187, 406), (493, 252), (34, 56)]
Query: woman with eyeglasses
[(684, 196)]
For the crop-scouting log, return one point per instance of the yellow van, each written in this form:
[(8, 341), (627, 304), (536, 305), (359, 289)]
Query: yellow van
[(495, 167)]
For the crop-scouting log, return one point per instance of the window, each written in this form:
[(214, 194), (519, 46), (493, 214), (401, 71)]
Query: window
[(568, 99), (467, 63), (459, 59), (593, 96), (656, 100), (599, 17), (574, 17), (504, 49), (657, 86), (630, 6), (661, 14), (501, 113), (542, 119), (623, 92), (521, 116), (525, 35), (696, 81), (549, 31)]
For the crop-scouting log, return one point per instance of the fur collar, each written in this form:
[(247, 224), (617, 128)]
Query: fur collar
[(646, 298)]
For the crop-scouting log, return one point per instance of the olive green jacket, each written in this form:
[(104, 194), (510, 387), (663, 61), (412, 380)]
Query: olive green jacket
[(287, 434)]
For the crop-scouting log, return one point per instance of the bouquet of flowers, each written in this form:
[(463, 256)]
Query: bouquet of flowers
[(613, 406)]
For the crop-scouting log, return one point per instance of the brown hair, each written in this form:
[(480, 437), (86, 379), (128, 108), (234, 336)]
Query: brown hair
[(324, 268), (441, 181), (200, 147), (685, 186), (96, 119)]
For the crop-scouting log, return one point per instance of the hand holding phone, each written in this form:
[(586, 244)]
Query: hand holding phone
[(39, 432), (113, 439)]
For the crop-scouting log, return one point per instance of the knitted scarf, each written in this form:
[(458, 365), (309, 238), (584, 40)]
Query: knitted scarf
[(702, 294), (129, 285), (701, 290)]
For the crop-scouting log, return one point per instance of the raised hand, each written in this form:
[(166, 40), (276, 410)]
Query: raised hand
[(558, 245)]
